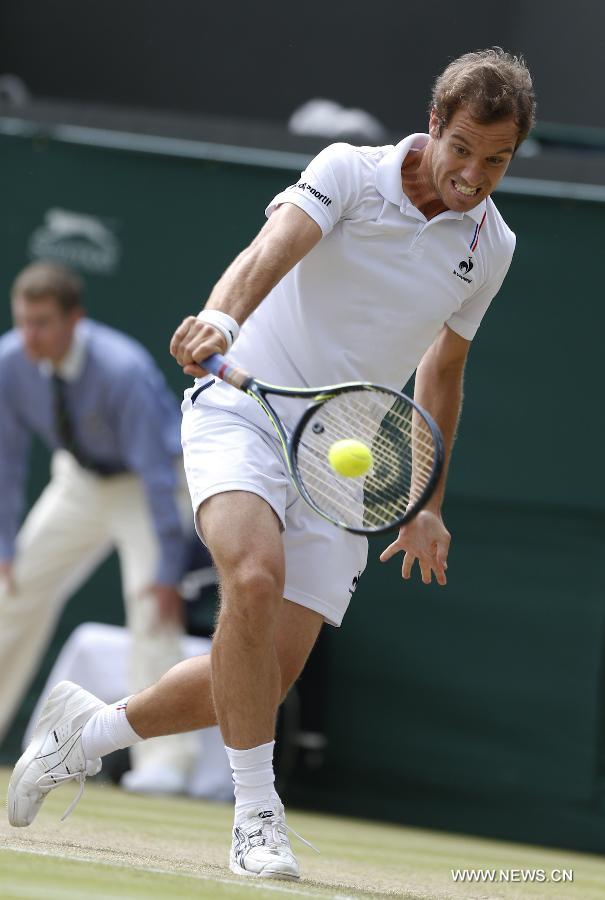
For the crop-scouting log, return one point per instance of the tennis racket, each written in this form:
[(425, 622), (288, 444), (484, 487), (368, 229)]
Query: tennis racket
[(406, 448)]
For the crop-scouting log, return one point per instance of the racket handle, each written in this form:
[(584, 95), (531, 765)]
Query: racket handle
[(213, 363), (218, 365)]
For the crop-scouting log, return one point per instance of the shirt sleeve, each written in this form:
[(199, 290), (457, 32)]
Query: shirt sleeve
[(141, 427), (466, 321), (327, 189), (15, 441)]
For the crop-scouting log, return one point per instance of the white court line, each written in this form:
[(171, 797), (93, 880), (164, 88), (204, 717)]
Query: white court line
[(238, 882)]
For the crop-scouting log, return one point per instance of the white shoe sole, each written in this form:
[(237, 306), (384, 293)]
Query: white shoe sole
[(54, 710), (267, 873)]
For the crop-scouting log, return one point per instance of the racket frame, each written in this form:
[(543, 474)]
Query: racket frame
[(436, 469), (258, 390)]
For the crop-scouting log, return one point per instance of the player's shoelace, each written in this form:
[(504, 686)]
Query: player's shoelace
[(50, 780), (268, 835)]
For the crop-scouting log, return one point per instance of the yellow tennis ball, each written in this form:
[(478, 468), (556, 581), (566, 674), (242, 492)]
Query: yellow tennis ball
[(350, 458)]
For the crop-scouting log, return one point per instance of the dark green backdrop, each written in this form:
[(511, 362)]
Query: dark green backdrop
[(477, 707)]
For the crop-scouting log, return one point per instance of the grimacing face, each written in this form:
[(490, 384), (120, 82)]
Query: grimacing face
[(47, 330), (468, 159)]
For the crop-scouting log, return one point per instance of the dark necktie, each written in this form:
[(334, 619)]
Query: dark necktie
[(66, 435), (63, 422)]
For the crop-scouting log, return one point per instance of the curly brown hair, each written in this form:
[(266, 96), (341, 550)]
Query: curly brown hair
[(492, 84)]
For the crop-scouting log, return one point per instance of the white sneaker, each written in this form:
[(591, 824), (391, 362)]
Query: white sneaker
[(260, 846), (54, 754)]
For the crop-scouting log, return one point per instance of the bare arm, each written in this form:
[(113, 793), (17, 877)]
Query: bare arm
[(438, 389), (286, 237), (439, 381)]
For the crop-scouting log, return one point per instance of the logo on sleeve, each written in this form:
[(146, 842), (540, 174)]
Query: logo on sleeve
[(323, 198), (465, 268)]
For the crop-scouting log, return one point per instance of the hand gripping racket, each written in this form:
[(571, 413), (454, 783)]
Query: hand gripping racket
[(406, 448)]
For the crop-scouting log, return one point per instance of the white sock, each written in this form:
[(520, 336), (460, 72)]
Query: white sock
[(108, 730), (253, 775)]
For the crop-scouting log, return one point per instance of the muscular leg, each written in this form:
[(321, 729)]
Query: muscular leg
[(244, 538), (182, 700)]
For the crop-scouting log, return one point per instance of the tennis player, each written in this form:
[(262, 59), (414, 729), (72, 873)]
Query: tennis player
[(377, 262)]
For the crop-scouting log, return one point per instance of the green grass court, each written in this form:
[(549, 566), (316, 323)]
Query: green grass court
[(117, 845)]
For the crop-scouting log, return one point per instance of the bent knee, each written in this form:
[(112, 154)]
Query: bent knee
[(255, 583), (251, 598)]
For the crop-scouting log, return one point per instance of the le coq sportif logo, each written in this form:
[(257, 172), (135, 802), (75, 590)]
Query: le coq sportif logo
[(465, 268), (323, 198)]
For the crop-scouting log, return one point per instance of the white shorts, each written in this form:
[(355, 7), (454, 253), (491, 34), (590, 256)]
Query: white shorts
[(224, 451)]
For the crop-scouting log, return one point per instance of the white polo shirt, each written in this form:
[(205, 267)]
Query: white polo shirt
[(372, 295)]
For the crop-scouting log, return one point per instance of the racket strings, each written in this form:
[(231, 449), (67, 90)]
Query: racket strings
[(391, 453), (368, 409), (366, 417), (403, 457)]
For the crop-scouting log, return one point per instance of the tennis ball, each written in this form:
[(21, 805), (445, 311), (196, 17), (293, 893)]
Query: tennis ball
[(350, 458)]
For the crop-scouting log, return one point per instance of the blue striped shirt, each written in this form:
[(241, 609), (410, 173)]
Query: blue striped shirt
[(123, 415)]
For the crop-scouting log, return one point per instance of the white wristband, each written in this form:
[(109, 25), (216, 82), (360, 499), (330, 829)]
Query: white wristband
[(223, 322)]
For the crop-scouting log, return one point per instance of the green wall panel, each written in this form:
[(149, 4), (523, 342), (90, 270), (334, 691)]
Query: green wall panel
[(478, 706), (178, 223), (532, 378)]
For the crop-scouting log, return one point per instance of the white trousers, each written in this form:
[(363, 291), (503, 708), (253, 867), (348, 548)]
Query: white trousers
[(95, 656), (78, 520)]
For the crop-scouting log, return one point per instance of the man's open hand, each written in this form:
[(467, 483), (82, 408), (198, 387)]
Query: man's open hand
[(425, 539)]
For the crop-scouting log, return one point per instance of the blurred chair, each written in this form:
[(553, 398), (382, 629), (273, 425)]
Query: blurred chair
[(325, 118)]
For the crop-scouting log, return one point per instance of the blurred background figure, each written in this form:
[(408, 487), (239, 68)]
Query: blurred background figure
[(96, 398)]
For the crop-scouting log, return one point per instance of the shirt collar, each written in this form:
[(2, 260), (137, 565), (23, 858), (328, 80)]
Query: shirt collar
[(388, 176), (70, 367)]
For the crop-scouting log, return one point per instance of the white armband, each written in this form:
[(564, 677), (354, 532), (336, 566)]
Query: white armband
[(223, 322)]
